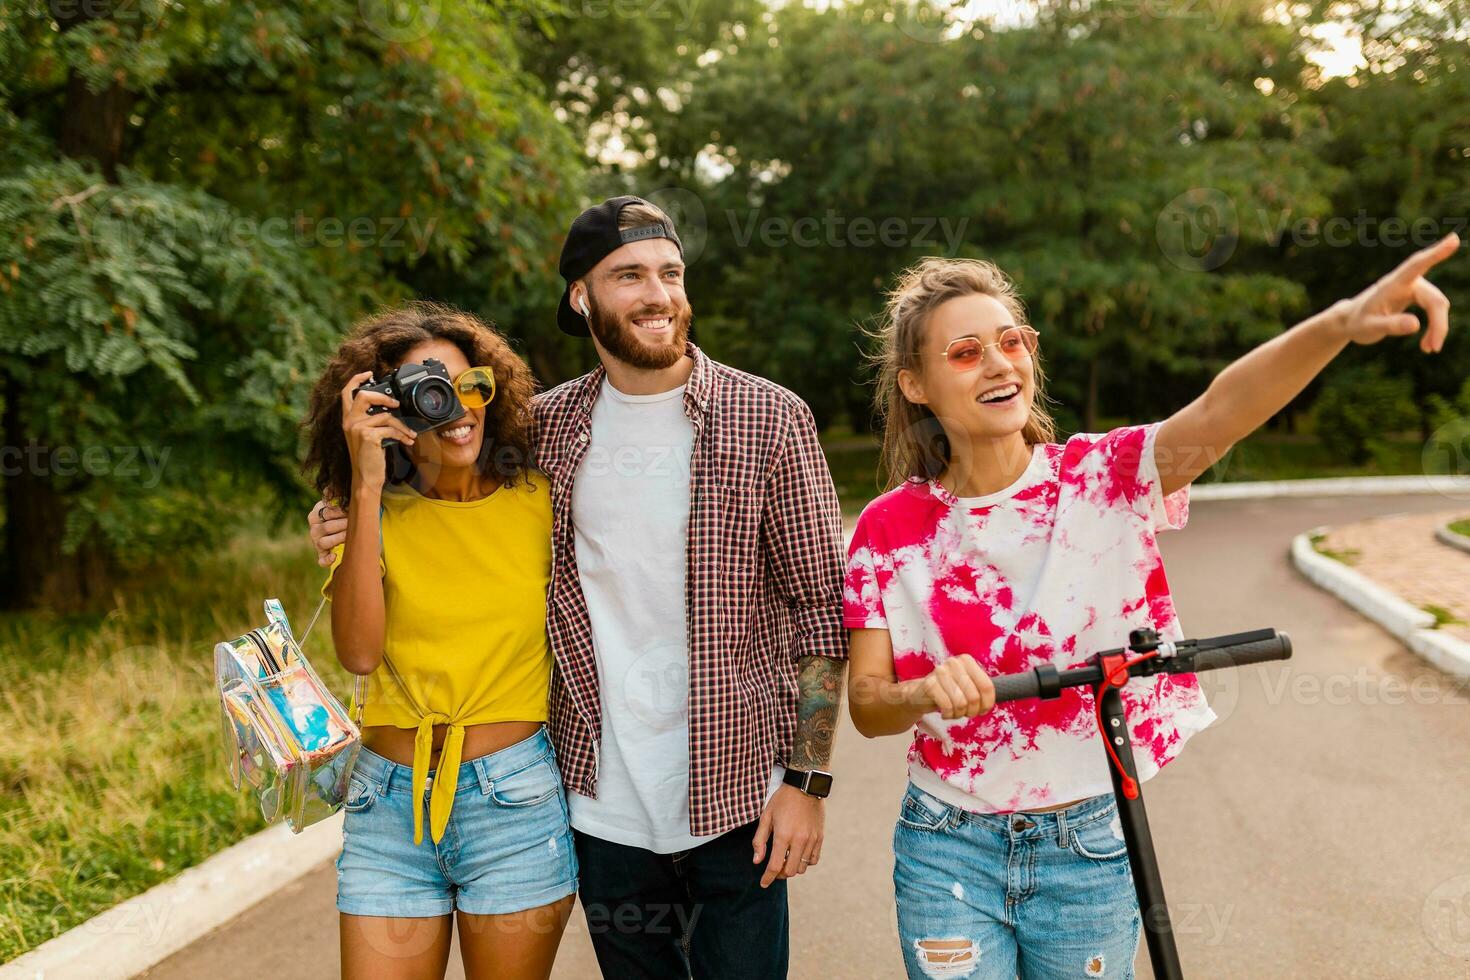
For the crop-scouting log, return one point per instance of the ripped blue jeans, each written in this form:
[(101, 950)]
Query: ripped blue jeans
[(995, 896)]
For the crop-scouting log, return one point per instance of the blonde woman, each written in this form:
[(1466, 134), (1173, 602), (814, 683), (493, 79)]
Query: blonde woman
[(999, 549)]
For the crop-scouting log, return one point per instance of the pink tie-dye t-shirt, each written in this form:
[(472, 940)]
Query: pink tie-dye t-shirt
[(1057, 566)]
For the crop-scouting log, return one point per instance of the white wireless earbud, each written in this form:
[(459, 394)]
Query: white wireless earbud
[(582, 302)]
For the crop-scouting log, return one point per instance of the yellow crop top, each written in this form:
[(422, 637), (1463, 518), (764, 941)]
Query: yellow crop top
[(464, 590)]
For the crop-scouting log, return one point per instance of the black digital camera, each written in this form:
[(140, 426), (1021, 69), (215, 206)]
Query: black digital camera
[(426, 397)]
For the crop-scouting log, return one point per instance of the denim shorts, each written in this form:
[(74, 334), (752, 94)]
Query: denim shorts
[(1030, 895), (507, 847)]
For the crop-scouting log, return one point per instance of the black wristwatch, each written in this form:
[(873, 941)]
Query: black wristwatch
[(812, 782)]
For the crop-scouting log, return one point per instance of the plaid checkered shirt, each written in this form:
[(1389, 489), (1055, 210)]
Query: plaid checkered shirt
[(763, 583)]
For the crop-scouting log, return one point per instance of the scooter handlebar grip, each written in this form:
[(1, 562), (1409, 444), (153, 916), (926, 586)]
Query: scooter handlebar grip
[(1277, 647), (1014, 687)]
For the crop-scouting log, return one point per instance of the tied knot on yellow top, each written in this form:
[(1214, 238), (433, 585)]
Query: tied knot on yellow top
[(441, 801)]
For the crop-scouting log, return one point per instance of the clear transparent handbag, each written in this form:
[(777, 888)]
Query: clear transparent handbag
[(286, 736)]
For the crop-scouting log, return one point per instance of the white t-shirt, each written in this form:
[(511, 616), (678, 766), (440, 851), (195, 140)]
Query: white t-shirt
[(630, 511), (1059, 565)]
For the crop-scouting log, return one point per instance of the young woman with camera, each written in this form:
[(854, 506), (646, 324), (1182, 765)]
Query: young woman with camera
[(456, 808)]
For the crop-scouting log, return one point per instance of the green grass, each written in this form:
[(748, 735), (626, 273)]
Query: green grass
[(1461, 527), (111, 772), (1272, 456), (1347, 556), (1442, 616)]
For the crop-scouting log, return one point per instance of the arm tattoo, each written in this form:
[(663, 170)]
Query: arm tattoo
[(819, 680)]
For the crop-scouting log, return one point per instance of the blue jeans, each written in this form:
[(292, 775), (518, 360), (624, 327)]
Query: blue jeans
[(1002, 895), (507, 847)]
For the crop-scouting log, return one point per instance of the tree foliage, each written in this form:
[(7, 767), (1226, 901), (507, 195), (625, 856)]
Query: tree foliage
[(195, 200), (1151, 174)]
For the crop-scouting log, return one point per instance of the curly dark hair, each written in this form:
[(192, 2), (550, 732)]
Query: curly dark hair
[(378, 343)]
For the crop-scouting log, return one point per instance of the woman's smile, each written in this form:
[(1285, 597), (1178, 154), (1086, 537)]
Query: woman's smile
[(1000, 395), (460, 435)]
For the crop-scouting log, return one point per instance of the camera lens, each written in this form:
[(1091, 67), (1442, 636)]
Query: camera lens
[(433, 400)]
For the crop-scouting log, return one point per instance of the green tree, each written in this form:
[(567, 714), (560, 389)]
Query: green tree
[(1360, 409), (620, 69), (1115, 160), (194, 201), (1400, 132)]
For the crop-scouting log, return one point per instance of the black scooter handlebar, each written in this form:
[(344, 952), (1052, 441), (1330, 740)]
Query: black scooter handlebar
[(1189, 657)]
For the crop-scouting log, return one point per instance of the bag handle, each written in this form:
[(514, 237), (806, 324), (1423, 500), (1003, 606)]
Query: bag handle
[(359, 683)]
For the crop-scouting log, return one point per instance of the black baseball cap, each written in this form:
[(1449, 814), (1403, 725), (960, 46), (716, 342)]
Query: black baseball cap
[(594, 236)]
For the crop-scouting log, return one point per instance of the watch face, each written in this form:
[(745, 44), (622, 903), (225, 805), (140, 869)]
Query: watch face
[(819, 784)]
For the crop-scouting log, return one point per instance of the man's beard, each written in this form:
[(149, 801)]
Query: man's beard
[(620, 338)]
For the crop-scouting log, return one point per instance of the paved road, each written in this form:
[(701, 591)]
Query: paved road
[(1319, 830)]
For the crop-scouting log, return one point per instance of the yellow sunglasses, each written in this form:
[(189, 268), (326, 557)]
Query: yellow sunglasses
[(475, 387)]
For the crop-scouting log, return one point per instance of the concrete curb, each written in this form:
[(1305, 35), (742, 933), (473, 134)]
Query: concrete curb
[(1457, 487), (1444, 651), (1372, 600), (138, 934), (1454, 539), (1414, 627)]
